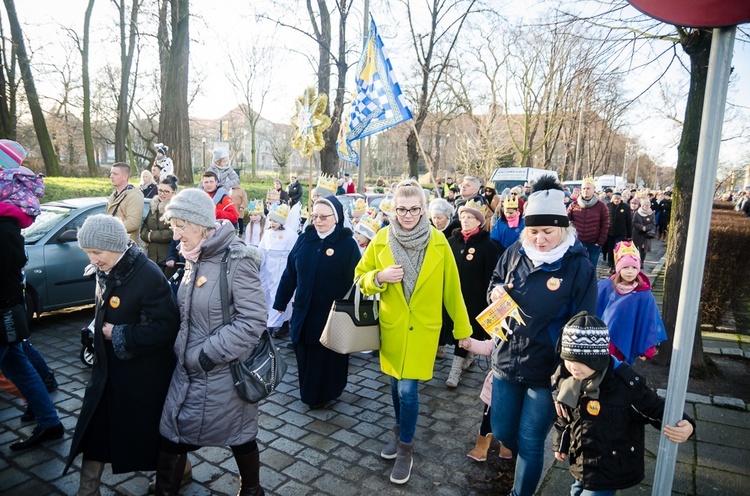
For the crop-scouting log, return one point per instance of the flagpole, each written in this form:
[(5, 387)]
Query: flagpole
[(427, 160), (362, 161), (309, 194)]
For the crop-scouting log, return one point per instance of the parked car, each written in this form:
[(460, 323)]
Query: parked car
[(54, 272)]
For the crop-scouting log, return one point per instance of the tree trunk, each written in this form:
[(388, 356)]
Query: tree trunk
[(7, 89), (51, 164), (328, 157), (127, 47), (697, 44), (88, 140), (174, 124)]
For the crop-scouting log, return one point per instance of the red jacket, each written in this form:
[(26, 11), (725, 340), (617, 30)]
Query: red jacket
[(351, 187), (592, 224), (225, 208)]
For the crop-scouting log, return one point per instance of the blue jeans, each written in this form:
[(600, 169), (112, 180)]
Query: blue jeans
[(406, 405), (577, 490), (594, 252), (16, 366), (35, 358), (521, 419)]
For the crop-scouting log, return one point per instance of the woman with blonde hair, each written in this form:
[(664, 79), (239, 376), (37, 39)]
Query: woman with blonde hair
[(148, 185), (411, 265), (549, 275)]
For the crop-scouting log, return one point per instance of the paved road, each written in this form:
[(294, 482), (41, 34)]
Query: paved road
[(335, 451)]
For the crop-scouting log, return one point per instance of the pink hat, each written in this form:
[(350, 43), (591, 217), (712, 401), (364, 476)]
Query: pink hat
[(626, 255), (11, 154)]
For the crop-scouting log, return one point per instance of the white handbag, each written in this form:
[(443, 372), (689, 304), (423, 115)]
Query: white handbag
[(353, 324)]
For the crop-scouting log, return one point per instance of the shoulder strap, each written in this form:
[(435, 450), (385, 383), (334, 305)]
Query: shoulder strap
[(224, 287)]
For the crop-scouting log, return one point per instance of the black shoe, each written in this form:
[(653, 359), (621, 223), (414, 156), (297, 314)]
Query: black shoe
[(280, 333), (50, 383), (28, 415), (39, 435)]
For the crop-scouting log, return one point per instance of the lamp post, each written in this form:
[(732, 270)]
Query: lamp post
[(204, 152)]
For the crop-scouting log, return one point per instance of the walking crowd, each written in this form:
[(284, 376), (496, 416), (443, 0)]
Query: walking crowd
[(162, 383)]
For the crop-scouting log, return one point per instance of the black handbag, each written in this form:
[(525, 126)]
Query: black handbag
[(650, 234), (259, 375), (14, 325)]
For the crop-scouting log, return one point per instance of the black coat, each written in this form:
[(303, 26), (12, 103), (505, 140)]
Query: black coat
[(605, 446), (476, 258), (320, 270), (12, 260), (295, 192), (119, 419), (620, 220)]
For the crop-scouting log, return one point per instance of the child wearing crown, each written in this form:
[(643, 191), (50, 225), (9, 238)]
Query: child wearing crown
[(508, 227), (629, 308), (276, 244), (257, 223)]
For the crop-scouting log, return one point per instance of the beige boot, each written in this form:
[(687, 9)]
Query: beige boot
[(455, 374), (440, 352), (468, 361), (91, 478), (479, 453)]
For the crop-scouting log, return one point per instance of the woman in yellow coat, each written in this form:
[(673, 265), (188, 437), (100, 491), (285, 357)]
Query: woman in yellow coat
[(412, 267)]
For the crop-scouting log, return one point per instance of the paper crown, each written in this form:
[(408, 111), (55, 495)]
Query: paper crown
[(304, 213), (279, 213), (255, 207), (625, 248), (327, 183), (587, 180), (511, 202), (386, 205), (368, 226), (273, 196), (359, 207), (474, 205)]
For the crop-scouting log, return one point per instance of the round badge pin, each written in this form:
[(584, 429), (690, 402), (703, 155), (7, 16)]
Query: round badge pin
[(114, 302), (593, 407), (469, 257), (201, 281), (553, 283), (329, 252), (472, 250)]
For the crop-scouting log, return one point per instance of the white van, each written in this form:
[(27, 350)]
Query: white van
[(508, 177), (617, 183)]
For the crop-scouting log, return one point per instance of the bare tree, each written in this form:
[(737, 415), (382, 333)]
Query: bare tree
[(445, 22), (174, 123), (251, 69), (51, 163), (128, 25), (8, 87)]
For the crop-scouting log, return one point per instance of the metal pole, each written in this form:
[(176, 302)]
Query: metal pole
[(719, 67), (362, 154), (577, 162)]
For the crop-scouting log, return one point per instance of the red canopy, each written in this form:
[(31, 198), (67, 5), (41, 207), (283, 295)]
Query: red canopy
[(696, 13)]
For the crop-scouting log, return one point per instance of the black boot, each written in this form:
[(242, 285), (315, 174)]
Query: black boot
[(169, 471), (249, 467)]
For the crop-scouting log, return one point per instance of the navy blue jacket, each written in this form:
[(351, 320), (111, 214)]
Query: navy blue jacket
[(321, 270), (548, 297)]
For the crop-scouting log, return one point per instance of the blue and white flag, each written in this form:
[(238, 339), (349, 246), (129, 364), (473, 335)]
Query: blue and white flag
[(377, 102)]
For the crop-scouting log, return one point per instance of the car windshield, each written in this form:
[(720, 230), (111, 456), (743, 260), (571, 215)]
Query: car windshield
[(44, 223)]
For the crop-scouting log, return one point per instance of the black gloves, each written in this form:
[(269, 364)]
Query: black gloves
[(205, 362)]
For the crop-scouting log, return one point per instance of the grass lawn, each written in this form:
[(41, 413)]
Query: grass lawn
[(63, 188)]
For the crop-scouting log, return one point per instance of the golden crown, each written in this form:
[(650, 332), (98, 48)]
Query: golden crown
[(359, 206), (279, 210), (587, 180), (474, 204), (304, 213), (255, 207), (511, 202), (273, 196), (387, 205), (327, 183), (370, 223), (625, 248)]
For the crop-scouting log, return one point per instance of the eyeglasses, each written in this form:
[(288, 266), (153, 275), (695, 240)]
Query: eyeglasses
[(179, 228), (320, 216), (165, 191), (414, 211)]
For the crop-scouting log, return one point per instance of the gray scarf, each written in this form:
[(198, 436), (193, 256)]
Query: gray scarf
[(408, 251), (587, 203), (571, 388)]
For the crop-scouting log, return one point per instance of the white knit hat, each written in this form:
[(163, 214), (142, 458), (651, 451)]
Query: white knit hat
[(219, 154), (546, 204)]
